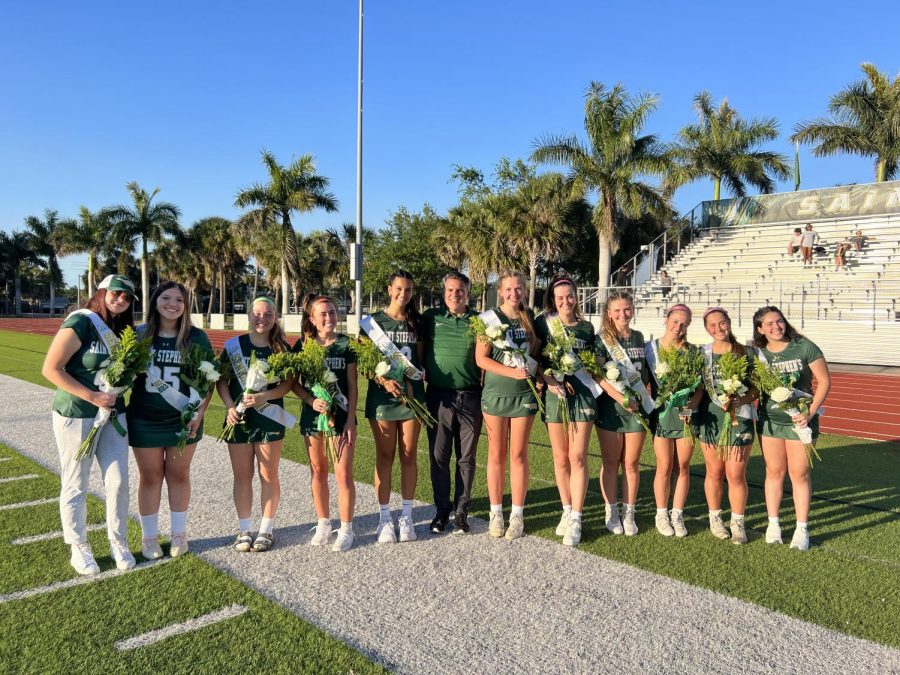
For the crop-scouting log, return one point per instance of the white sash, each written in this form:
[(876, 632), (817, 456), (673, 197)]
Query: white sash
[(106, 334), (170, 394), (651, 355), (746, 411), (510, 359), (632, 376), (388, 348), (583, 375), (271, 411), (799, 393)]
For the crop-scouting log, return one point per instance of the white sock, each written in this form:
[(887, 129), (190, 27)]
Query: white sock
[(677, 512), (517, 510), (497, 508), (150, 526), (801, 526), (629, 508), (737, 516), (567, 508), (575, 515), (774, 521), (661, 512), (407, 508), (324, 521), (179, 522), (245, 524), (346, 526), (266, 525), (717, 512), (384, 513)]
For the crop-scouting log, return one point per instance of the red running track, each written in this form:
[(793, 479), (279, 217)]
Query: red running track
[(859, 405)]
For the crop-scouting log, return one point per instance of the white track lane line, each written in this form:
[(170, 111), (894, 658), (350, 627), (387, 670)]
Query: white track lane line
[(77, 581), (155, 636), (52, 535), (36, 502), (25, 476)]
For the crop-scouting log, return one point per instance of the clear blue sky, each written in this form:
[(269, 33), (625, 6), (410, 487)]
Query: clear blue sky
[(184, 95)]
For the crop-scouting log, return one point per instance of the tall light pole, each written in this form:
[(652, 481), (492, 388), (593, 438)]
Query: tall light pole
[(356, 251)]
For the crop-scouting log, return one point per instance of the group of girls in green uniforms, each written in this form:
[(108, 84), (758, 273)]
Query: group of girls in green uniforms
[(509, 406)]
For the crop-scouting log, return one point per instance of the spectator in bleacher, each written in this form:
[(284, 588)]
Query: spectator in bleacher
[(858, 240), (778, 343), (839, 253), (622, 275), (807, 241), (794, 243), (665, 283)]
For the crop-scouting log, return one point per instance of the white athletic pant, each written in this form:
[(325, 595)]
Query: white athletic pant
[(112, 456)]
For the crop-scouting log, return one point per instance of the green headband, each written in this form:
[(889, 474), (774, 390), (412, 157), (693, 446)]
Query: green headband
[(263, 298)]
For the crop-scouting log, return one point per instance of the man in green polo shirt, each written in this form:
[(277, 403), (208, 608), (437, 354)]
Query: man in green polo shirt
[(454, 400)]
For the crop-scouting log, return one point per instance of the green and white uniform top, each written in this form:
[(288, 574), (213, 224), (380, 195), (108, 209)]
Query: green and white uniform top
[(500, 386), (380, 405), (582, 407), (795, 358), (152, 421), (610, 415), (338, 357), (450, 350), (83, 366), (256, 428)]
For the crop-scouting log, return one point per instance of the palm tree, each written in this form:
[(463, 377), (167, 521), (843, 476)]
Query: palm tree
[(296, 187), (612, 162), (87, 235), (177, 260), (44, 238), (145, 222), (722, 146), (217, 251), (865, 121), (17, 250)]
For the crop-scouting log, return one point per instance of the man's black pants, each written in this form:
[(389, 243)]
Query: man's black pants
[(458, 415)]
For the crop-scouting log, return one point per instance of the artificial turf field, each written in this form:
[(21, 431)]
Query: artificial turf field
[(848, 581)]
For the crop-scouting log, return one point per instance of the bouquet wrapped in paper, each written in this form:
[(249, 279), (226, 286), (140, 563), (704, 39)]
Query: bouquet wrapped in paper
[(679, 372), (730, 384), (779, 387), (200, 372), (372, 364), (514, 357), (259, 377), (128, 359)]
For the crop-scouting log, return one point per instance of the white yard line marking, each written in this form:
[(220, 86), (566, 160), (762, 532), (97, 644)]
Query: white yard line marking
[(5, 459), (36, 502), (53, 535), (12, 479), (77, 581), (178, 628)]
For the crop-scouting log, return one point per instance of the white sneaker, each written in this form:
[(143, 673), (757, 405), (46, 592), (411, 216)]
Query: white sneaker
[(563, 526), (344, 541), (717, 527), (613, 524), (738, 531), (83, 559), (573, 533), (773, 534), (628, 523), (516, 527), (150, 549), (800, 540), (496, 525), (407, 529), (678, 524), (178, 545), (663, 526), (323, 532), (385, 532), (121, 554)]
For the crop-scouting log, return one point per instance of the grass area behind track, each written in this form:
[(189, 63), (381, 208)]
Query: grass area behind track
[(75, 629), (848, 581)]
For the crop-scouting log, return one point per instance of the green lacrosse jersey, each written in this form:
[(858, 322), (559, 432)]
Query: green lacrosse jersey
[(795, 358), (83, 366), (379, 404)]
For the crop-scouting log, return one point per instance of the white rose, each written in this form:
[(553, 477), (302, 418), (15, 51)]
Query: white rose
[(382, 369), (104, 365), (613, 373), (499, 344), (330, 377), (206, 367), (780, 394), (493, 332), (567, 361), (212, 376), (663, 369)]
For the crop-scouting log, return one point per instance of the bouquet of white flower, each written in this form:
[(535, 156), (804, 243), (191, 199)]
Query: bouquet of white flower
[(679, 373), (513, 357), (730, 384), (259, 377), (779, 387), (199, 372), (563, 362), (613, 375)]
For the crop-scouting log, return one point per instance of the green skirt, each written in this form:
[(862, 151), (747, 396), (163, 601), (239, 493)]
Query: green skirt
[(709, 420), (257, 428), (613, 417), (668, 423), (144, 432), (582, 406), (764, 427), (309, 417), (509, 406), (382, 406)]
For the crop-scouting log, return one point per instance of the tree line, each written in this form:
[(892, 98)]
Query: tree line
[(614, 194)]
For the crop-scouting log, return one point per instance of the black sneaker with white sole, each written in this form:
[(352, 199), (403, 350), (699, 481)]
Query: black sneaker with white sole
[(461, 524), (439, 524)]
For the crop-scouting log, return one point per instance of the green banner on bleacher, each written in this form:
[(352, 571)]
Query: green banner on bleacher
[(837, 202)]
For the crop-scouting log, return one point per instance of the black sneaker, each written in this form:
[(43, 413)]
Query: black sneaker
[(461, 523), (439, 524)]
